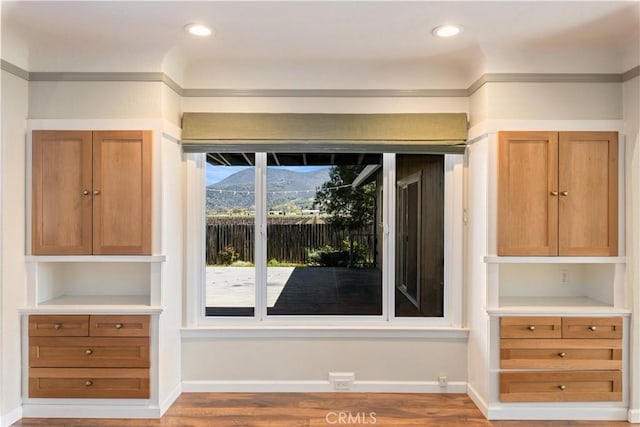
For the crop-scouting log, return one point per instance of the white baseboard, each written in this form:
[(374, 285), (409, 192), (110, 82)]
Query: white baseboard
[(322, 386), (168, 401), (561, 413), (478, 400), (89, 411), (634, 416), (11, 417)]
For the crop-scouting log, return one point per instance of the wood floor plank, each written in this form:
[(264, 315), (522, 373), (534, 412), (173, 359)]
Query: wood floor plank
[(316, 409)]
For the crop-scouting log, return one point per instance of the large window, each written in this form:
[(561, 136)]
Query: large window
[(330, 235)]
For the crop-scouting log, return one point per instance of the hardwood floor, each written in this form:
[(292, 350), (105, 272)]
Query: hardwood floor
[(316, 409)]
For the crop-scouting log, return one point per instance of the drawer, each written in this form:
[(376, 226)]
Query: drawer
[(561, 386), (561, 354), (58, 326), (119, 326), (89, 352), (89, 383), (530, 327), (592, 327)]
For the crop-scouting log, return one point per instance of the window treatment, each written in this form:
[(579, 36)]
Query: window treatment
[(203, 132)]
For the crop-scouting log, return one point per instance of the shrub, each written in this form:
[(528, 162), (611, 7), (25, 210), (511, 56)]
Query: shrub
[(228, 255)]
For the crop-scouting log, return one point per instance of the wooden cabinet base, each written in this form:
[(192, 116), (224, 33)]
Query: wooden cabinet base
[(561, 386), (89, 383)]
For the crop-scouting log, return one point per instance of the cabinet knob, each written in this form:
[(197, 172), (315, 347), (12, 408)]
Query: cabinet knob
[(564, 193), (554, 193), (119, 325), (592, 328), (531, 328), (562, 354), (88, 383), (86, 192), (88, 352), (57, 326), (96, 192), (562, 386)]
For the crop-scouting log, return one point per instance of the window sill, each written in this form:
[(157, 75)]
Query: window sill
[(325, 331)]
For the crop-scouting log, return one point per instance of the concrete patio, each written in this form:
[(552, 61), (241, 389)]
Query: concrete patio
[(295, 291)]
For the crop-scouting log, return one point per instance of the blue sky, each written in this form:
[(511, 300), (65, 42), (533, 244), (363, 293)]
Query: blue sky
[(218, 173)]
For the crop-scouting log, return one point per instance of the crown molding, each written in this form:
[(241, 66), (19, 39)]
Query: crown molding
[(159, 77), (631, 74), (326, 93), (12, 69)]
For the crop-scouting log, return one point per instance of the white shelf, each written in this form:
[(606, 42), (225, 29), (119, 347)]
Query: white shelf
[(66, 304), (96, 258), (554, 305), (494, 259)]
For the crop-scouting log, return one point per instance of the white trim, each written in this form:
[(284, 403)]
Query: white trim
[(89, 411), (453, 237), (322, 386), (592, 412), (95, 258), (171, 398), (260, 242), (478, 400), (11, 417), (634, 416), (389, 192), (494, 259), (382, 330), (195, 230)]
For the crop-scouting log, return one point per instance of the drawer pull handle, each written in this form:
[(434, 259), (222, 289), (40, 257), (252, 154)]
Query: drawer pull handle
[(88, 352), (564, 193), (119, 325), (592, 328), (562, 354), (554, 193), (88, 383), (57, 326), (531, 328), (562, 386)]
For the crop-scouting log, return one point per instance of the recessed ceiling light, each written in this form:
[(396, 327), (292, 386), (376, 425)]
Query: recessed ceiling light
[(448, 30), (198, 30)]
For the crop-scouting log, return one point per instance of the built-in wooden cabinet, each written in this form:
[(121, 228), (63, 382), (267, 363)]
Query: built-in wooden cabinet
[(91, 192), (560, 359), (557, 193), (89, 356)]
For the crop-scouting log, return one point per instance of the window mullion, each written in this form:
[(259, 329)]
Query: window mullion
[(261, 235), (389, 227)]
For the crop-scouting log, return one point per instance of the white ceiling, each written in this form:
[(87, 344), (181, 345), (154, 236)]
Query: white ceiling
[(316, 44)]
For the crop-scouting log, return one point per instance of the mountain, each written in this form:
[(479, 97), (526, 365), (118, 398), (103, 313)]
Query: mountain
[(284, 187)]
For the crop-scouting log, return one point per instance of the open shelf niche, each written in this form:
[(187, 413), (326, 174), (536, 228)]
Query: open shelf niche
[(102, 282)]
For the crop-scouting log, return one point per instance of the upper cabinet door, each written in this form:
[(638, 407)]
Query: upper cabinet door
[(588, 186), (61, 193), (527, 193), (122, 192)]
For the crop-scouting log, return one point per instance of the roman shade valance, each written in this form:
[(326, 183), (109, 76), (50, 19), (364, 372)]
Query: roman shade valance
[(300, 131)]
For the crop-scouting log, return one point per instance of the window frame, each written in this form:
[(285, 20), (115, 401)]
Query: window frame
[(195, 232)]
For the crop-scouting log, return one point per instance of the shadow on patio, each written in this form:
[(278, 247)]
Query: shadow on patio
[(330, 291), (312, 291)]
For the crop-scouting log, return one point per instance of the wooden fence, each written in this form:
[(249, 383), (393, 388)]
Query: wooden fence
[(285, 242)]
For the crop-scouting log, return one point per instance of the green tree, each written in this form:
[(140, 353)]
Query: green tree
[(349, 208)]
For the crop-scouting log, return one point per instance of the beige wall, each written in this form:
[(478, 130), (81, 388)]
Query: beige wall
[(308, 359), (554, 101), (14, 113), (95, 100)]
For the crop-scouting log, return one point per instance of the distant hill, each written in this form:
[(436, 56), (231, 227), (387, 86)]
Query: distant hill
[(283, 187)]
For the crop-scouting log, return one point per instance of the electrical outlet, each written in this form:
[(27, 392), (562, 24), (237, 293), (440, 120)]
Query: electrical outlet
[(564, 276), (341, 380), (443, 381)]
